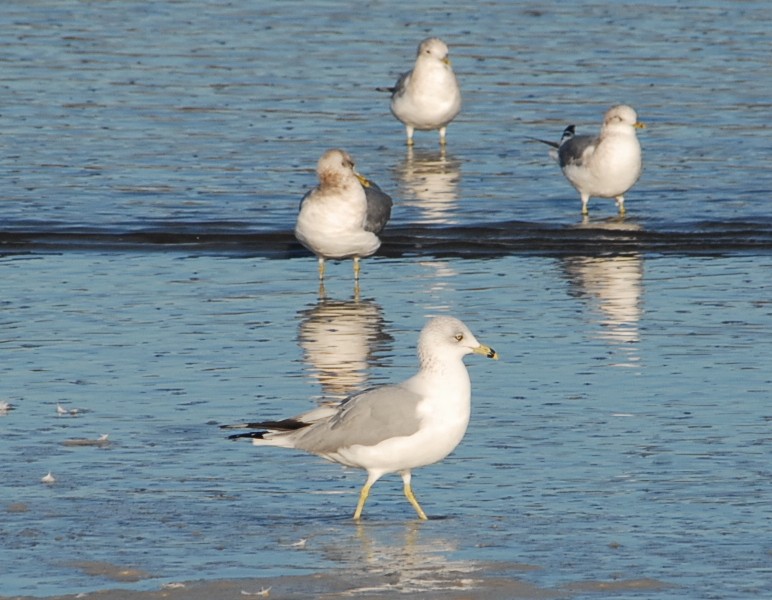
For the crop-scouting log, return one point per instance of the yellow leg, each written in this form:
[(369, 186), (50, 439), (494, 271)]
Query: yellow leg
[(411, 497), (585, 200), (621, 205), (321, 268), (362, 499), (357, 267)]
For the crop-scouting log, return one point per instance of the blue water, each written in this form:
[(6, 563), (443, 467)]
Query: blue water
[(625, 433)]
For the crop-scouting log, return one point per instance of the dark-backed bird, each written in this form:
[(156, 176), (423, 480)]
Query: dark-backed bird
[(607, 165), (342, 216)]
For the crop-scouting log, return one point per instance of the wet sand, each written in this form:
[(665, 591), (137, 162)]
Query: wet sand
[(489, 581), (476, 240)]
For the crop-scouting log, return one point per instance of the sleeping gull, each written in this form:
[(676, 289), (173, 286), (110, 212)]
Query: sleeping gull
[(343, 215), (392, 428), (428, 97), (606, 166)]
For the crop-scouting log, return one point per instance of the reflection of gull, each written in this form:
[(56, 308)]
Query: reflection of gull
[(405, 559), (616, 284), (431, 178), (607, 165), (392, 428), (343, 215), (438, 277), (400, 558), (428, 97), (340, 340)]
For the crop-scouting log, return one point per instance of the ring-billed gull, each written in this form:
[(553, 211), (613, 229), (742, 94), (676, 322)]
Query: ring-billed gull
[(393, 428), (343, 215), (428, 97), (606, 166)]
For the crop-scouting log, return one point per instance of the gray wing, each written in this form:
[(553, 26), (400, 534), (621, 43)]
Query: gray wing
[(398, 88), (378, 208), (306, 195), (576, 149), (366, 419)]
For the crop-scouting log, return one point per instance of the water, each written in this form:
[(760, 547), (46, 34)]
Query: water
[(153, 157)]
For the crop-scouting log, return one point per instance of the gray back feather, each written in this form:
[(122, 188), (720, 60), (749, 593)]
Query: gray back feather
[(399, 87), (306, 195), (576, 149), (378, 208), (365, 419)]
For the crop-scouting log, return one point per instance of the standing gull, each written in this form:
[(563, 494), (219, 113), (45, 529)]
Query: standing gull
[(606, 166), (428, 97), (393, 428), (343, 215)]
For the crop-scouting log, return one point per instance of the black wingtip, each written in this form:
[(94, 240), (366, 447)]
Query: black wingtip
[(252, 435), (568, 133), (283, 425)]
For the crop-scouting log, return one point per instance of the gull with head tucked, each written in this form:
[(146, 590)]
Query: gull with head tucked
[(343, 215), (607, 165), (392, 428), (428, 97)]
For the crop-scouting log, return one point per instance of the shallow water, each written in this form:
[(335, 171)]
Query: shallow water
[(153, 159)]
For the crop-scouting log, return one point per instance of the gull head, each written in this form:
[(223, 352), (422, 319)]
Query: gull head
[(335, 167), (434, 48), (621, 116), (448, 339)]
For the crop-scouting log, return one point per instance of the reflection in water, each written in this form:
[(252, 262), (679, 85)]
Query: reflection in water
[(404, 557), (437, 276), (430, 182), (341, 339), (613, 285)]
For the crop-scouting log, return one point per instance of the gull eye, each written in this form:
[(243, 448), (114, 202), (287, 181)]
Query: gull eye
[(459, 337)]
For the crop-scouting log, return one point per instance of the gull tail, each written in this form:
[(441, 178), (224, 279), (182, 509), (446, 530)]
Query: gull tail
[(390, 90), (549, 143)]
